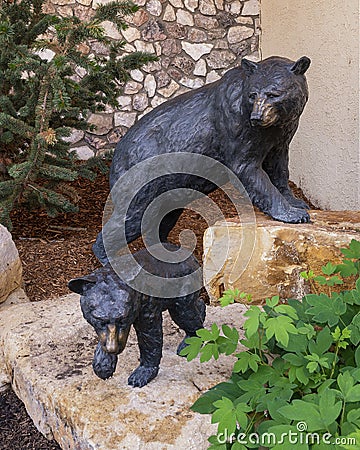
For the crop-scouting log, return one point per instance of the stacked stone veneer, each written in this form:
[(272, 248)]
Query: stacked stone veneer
[(196, 42)]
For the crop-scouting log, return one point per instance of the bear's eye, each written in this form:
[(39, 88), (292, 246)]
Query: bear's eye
[(273, 94), (252, 96)]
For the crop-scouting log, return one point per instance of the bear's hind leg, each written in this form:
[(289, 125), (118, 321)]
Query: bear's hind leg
[(188, 314), (168, 223)]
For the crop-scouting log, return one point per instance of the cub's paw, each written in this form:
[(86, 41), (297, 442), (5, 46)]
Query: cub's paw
[(104, 364), (292, 215), (182, 345), (142, 375)]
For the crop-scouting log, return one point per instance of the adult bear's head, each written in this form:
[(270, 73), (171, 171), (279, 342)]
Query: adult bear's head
[(275, 90), (109, 305)]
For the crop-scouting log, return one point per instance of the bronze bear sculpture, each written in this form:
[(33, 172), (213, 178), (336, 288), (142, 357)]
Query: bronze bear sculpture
[(112, 307), (246, 120)]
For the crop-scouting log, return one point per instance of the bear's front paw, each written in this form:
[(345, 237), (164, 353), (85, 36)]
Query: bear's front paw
[(142, 375), (296, 202), (292, 215), (104, 364)]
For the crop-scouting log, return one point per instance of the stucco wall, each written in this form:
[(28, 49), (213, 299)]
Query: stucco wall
[(325, 150)]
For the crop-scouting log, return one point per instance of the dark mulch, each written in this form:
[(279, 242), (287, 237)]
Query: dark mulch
[(54, 250), (17, 431)]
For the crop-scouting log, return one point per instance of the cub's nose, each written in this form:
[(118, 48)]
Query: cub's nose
[(112, 344)]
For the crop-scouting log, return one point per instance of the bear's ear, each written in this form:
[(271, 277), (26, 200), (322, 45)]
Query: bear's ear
[(249, 67), (301, 66), (81, 284)]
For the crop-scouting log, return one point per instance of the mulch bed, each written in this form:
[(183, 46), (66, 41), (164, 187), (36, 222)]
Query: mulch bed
[(54, 250), (17, 431)]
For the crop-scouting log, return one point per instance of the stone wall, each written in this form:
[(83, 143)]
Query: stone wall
[(196, 42)]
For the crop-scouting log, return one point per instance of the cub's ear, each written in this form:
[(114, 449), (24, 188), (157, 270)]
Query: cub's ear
[(248, 66), (301, 66), (82, 284)]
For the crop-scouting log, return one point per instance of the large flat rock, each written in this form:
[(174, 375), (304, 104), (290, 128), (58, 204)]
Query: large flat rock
[(263, 257), (46, 353)]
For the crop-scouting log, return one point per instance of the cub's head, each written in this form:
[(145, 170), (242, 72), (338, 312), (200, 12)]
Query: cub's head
[(275, 90), (108, 305)]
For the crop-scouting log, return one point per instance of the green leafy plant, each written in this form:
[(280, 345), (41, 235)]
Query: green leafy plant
[(42, 98), (296, 381)]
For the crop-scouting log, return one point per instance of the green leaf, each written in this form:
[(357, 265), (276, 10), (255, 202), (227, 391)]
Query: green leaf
[(347, 268), (352, 441), (354, 394), (273, 301), (245, 361), (323, 342), (229, 296), (204, 334), (353, 252), (288, 310), (325, 309), (192, 348), (215, 331), (357, 357), (312, 366), (278, 438), (324, 281), (329, 408), (251, 325), (228, 343), (240, 413), (353, 416), (230, 333), (204, 404), (302, 375), (280, 327), (224, 415), (208, 351), (303, 411), (308, 330), (237, 446), (307, 275), (215, 441), (329, 268), (294, 360)]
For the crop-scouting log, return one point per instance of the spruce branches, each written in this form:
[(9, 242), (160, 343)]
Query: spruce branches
[(41, 100)]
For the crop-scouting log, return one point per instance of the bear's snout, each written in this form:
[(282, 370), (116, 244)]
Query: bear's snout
[(114, 340)]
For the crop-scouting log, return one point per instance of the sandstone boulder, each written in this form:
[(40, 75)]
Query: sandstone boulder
[(10, 265), (46, 352), (264, 258)]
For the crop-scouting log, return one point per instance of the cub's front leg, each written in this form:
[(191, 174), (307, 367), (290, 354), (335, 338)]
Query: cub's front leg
[(149, 332)]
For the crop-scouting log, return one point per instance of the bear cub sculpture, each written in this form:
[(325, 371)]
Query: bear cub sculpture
[(112, 307), (246, 121)]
